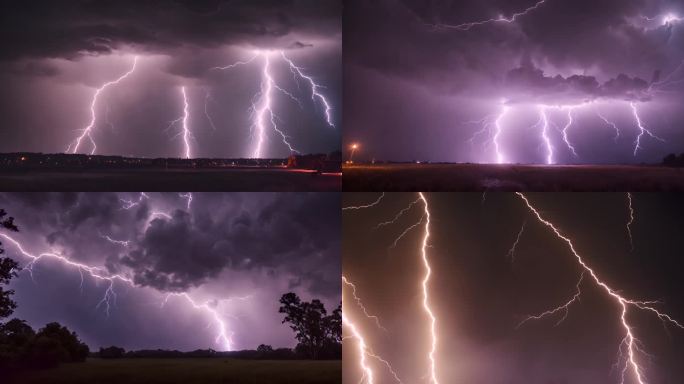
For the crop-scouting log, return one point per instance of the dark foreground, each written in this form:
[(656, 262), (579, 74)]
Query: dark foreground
[(494, 177), (153, 180), (189, 371)]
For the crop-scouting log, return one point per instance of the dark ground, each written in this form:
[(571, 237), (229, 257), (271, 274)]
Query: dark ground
[(153, 180), (494, 177), (188, 371)]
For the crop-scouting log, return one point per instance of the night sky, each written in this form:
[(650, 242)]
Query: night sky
[(56, 54), (239, 253), (480, 293), (414, 72)]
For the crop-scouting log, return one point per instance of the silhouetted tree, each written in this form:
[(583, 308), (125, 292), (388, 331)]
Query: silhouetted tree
[(55, 344), (263, 348), (15, 340), (8, 270), (313, 328), (111, 352)]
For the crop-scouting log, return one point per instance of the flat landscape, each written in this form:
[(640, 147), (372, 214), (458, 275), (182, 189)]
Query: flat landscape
[(495, 177), (152, 180), (188, 371)]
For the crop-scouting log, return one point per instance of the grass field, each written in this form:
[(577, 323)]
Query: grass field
[(188, 371), (152, 180), (495, 177)]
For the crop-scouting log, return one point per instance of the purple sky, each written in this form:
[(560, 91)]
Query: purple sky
[(56, 55), (416, 72), (236, 252)]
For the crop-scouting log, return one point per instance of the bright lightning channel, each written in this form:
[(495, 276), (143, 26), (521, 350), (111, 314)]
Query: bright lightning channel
[(642, 130), (426, 298), (262, 114), (87, 131), (631, 363), (500, 19)]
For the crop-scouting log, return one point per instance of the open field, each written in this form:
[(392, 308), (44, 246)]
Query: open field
[(189, 371), (152, 180), (495, 177)]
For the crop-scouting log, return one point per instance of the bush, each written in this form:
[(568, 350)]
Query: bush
[(112, 352)]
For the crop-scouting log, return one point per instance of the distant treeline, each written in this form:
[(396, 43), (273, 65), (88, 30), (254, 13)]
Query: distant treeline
[(673, 160), (332, 351), (28, 160)]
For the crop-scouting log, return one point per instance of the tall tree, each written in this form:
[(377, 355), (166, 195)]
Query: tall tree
[(8, 269), (310, 321)]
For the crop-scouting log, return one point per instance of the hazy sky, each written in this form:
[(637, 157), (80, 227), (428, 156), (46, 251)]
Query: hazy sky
[(415, 71), (56, 55), (238, 253), (480, 293)]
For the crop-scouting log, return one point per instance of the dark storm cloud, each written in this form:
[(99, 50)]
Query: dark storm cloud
[(287, 229), (528, 83), (67, 29)]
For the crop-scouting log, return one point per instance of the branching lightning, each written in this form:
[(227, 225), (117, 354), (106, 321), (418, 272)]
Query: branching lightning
[(630, 358), (262, 113), (87, 131), (511, 252), (376, 202), (499, 19), (642, 129), (360, 304), (185, 132), (631, 220)]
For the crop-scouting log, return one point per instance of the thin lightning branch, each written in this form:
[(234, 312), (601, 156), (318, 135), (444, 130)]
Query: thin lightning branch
[(398, 215), (565, 308), (511, 252), (360, 304), (406, 231), (631, 220), (123, 243), (426, 299), (188, 198), (642, 129), (376, 202), (128, 204), (315, 94), (610, 123), (501, 18), (207, 99), (237, 63), (87, 131), (630, 341)]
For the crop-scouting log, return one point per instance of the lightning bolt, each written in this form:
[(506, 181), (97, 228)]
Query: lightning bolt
[(128, 204), (642, 129), (610, 123), (376, 202), (398, 215), (360, 304), (262, 113), (499, 19), (188, 198), (499, 155), (368, 374), (630, 342), (631, 220), (87, 131), (545, 135), (426, 297), (315, 94), (185, 132), (565, 131), (511, 252), (207, 99)]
